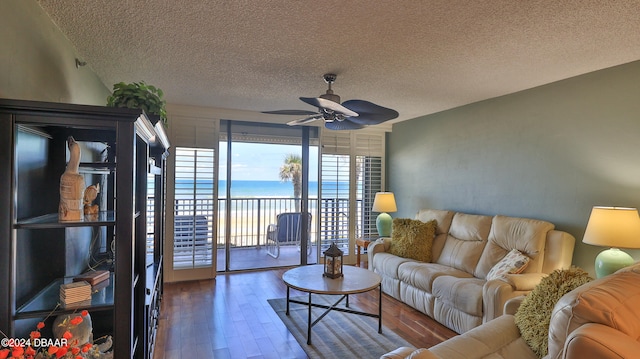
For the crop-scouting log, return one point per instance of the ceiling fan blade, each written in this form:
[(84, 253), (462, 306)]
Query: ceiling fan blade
[(343, 125), (291, 112), (329, 105), (370, 113), (302, 121)]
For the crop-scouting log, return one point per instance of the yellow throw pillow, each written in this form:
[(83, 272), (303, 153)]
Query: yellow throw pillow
[(534, 314), (413, 238)]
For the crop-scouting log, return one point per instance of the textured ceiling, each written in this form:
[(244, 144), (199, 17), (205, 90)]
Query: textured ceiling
[(418, 57)]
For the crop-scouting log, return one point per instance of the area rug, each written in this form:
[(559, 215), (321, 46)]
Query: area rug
[(338, 334)]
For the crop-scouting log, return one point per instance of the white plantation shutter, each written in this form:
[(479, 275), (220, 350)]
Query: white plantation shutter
[(369, 150), (336, 142), (352, 172), (369, 182), (150, 213), (368, 144), (194, 213), (193, 132), (194, 195), (334, 204)]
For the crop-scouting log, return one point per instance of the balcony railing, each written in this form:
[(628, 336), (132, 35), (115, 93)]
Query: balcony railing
[(251, 216), (248, 222)]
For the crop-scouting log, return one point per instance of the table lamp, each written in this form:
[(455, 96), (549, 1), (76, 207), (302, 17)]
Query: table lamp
[(615, 227), (384, 202)]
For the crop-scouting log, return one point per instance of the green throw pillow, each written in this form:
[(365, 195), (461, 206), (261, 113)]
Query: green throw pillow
[(534, 314), (413, 238)]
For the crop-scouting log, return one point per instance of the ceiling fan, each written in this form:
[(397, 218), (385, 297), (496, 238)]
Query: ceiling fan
[(350, 115)]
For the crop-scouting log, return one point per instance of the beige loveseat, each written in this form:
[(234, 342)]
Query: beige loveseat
[(452, 288), (600, 319)]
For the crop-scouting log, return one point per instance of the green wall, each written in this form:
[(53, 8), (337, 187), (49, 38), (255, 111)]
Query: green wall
[(552, 153), (37, 61)]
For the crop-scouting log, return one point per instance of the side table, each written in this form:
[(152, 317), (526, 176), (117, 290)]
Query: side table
[(362, 242)]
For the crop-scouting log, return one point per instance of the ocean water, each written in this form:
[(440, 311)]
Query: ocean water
[(263, 189), (253, 189)]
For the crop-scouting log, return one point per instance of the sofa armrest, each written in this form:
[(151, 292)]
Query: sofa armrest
[(512, 305), (500, 338), (524, 282), (496, 293), (558, 251), (600, 341), (378, 246)]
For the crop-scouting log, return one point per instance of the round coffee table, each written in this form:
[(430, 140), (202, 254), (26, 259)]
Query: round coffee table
[(309, 279)]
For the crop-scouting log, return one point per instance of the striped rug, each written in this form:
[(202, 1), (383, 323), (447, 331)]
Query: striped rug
[(337, 335)]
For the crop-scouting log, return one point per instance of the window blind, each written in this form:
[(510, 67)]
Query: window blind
[(352, 168), (334, 210), (194, 207)]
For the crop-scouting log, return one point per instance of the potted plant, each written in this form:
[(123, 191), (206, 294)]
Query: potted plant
[(141, 96)]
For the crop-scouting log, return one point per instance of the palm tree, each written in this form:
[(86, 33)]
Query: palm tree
[(291, 170)]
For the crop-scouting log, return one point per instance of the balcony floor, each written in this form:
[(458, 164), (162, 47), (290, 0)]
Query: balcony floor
[(256, 257)]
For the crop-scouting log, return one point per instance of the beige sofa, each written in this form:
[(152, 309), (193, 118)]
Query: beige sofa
[(600, 319), (452, 288)]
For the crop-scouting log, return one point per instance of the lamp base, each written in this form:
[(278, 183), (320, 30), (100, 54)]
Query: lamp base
[(383, 224), (610, 260)]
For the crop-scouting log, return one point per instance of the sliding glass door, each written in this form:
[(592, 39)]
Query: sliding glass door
[(267, 196), (245, 195)]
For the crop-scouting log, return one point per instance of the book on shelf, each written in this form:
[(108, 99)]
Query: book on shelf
[(92, 277), (84, 303), (100, 286), (75, 292)]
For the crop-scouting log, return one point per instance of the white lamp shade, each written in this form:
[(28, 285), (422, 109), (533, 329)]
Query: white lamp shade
[(384, 202), (617, 227)]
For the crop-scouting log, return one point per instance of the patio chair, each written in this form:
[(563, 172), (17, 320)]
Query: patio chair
[(286, 231)]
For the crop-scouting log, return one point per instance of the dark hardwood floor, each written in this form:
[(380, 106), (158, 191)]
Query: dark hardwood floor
[(229, 317)]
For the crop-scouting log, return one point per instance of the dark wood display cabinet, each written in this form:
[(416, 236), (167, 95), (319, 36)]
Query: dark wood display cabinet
[(123, 152)]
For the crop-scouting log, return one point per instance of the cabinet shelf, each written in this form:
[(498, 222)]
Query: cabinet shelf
[(104, 218), (46, 301), (97, 168)]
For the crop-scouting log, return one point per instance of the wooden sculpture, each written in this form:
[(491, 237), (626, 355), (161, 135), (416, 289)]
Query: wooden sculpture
[(71, 186), (90, 194)]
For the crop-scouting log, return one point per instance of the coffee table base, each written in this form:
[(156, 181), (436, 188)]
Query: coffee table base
[(329, 308)]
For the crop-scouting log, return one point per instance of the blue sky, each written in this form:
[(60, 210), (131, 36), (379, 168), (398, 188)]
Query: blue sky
[(261, 162)]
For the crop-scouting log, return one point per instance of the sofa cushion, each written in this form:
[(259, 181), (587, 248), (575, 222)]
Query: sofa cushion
[(513, 263), (534, 315), (466, 239), (464, 294), (443, 218), (387, 264), (612, 301), (421, 275), (507, 233), (413, 238)]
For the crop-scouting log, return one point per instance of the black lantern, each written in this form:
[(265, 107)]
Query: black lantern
[(333, 262)]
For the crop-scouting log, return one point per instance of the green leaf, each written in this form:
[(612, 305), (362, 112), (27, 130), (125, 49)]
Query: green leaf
[(139, 95)]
